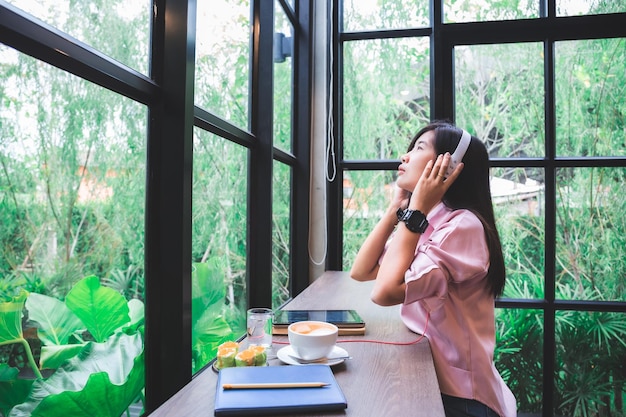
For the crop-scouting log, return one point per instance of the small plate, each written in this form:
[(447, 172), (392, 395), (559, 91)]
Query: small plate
[(285, 355)]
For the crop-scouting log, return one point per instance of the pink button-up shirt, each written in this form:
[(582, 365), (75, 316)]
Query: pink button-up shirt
[(448, 280)]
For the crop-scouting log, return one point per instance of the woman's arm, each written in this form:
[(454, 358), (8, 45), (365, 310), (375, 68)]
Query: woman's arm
[(365, 266), (389, 288)]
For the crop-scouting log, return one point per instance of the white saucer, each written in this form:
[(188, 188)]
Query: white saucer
[(285, 355)]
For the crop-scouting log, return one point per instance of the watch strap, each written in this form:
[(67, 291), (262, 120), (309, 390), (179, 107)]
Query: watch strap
[(400, 213)]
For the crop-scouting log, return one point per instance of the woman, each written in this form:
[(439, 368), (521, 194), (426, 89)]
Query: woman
[(436, 251)]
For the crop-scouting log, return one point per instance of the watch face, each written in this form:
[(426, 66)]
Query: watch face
[(415, 221)]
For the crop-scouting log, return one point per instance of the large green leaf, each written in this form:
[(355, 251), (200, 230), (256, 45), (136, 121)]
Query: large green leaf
[(102, 381), (209, 326), (208, 333), (56, 321), (11, 318), (53, 356), (136, 311), (101, 309), (207, 286), (13, 391)]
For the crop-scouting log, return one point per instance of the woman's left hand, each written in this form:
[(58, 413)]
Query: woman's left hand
[(433, 184)]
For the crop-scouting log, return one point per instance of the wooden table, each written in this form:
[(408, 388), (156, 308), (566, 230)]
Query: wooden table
[(381, 379)]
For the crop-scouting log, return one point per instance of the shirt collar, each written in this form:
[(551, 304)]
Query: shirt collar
[(437, 212)]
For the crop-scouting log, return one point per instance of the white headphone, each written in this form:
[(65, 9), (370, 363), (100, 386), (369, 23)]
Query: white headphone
[(459, 152)]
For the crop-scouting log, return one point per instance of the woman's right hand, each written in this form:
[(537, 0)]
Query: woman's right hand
[(400, 198)]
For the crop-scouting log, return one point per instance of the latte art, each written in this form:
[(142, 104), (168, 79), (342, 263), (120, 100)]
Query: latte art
[(312, 328)]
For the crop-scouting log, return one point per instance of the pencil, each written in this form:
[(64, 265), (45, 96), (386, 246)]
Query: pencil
[(263, 385)]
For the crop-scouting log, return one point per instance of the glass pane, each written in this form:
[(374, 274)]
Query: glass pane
[(591, 347), (518, 201), (580, 7), (518, 356), (366, 195), (384, 14), (281, 230), (118, 28), (386, 96), (223, 58), (590, 246), (500, 97), (72, 194), (458, 11), (283, 46), (218, 244), (590, 107)]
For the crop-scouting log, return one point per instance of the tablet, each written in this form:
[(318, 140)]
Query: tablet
[(344, 319)]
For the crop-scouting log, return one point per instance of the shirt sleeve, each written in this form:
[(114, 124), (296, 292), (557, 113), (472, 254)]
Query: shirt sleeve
[(455, 253)]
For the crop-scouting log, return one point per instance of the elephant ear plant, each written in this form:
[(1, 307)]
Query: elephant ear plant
[(91, 348), (210, 328)]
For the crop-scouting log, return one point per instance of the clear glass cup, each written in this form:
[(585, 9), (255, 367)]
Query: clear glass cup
[(259, 325)]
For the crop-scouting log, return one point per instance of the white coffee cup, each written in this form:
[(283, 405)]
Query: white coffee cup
[(312, 339)]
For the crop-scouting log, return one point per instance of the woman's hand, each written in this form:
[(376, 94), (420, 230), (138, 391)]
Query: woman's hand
[(433, 184), (400, 198)]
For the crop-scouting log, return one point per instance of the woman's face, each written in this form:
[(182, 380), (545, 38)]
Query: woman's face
[(414, 161)]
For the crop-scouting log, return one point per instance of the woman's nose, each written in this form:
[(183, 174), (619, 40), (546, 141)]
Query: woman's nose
[(404, 158)]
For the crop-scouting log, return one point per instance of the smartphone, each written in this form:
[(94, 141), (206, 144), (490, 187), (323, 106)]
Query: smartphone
[(345, 319)]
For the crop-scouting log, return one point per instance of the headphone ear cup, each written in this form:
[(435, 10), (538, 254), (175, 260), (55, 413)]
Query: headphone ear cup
[(459, 152), (451, 167)]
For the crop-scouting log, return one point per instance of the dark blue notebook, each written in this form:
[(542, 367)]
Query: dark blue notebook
[(272, 401)]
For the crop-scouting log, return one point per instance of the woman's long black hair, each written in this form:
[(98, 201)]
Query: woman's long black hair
[(471, 191)]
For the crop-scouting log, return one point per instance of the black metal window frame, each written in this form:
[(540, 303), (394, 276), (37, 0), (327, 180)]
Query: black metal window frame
[(168, 95), (546, 29)]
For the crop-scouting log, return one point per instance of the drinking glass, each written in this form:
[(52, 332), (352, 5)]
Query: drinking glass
[(260, 327)]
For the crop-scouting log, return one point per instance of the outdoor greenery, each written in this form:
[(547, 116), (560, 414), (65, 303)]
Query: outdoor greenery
[(89, 347), (72, 195)]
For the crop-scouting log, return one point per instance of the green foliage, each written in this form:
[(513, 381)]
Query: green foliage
[(11, 318), (101, 381), (219, 222), (590, 373), (519, 349), (210, 329), (101, 309), (13, 390), (223, 60), (384, 14), (84, 375), (57, 323), (590, 361), (281, 211), (11, 327), (500, 97), (590, 108), (129, 283), (378, 120)]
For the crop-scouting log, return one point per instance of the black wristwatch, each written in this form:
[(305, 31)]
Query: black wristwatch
[(415, 220)]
